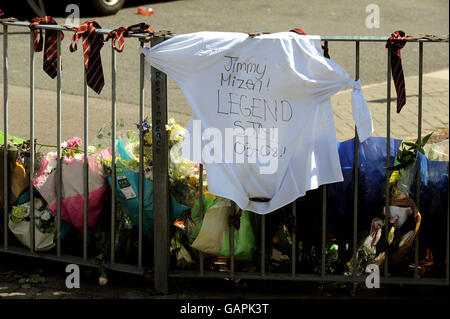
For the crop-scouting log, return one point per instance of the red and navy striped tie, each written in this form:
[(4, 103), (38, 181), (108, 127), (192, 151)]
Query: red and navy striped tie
[(120, 34), (298, 30), (92, 43), (117, 35), (395, 43), (50, 48)]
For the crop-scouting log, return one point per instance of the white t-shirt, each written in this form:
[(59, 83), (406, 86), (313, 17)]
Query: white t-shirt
[(279, 80)]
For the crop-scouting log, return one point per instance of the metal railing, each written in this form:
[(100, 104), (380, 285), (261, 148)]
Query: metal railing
[(159, 114), (136, 268), (263, 274)]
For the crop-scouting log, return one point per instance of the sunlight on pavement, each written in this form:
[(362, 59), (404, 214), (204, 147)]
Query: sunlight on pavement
[(60, 293), (11, 294)]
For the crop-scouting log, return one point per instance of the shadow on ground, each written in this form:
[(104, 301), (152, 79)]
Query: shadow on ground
[(14, 270)]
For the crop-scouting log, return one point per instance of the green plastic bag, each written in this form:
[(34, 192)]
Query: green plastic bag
[(214, 238), (244, 240), (15, 139)]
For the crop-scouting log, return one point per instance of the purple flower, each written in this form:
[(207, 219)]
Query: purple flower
[(146, 126)]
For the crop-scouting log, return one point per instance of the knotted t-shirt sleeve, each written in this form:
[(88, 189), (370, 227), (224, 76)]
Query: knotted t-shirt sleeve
[(322, 78)]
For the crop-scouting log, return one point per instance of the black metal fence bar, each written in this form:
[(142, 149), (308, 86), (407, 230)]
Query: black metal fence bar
[(58, 143), (113, 152), (324, 216), (419, 138), (388, 157), (31, 168), (160, 151), (141, 156), (263, 245), (294, 238), (309, 277), (232, 242), (355, 176), (5, 139), (85, 168), (200, 207), (324, 231)]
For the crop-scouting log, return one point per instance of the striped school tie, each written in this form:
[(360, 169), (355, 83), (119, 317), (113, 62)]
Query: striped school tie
[(395, 43), (50, 55), (298, 30), (92, 43), (118, 35)]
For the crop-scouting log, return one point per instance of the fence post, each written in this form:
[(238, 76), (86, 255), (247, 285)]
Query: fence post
[(5, 138), (160, 176)]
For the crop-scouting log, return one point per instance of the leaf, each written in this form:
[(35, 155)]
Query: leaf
[(426, 138), (396, 167), (421, 150), (410, 144), (26, 286), (408, 157), (22, 280), (35, 278)]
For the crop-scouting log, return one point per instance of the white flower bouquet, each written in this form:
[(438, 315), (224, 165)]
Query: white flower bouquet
[(44, 225)]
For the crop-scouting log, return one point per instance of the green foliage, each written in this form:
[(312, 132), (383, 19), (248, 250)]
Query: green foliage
[(26, 280), (407, 156), (18, 214)]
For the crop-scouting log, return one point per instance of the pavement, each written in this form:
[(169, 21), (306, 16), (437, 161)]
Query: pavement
[(323, 17), (404, 125), (52, 285)]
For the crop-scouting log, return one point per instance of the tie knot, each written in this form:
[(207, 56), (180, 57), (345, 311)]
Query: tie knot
[(117, 34), (138, 28), (397, 40), (44, 20), (84, 31), (298, 30)]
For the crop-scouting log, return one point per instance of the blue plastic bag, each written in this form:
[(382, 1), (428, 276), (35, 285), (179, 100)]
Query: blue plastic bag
[(131, 206), (433, 205), (372, 184)]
